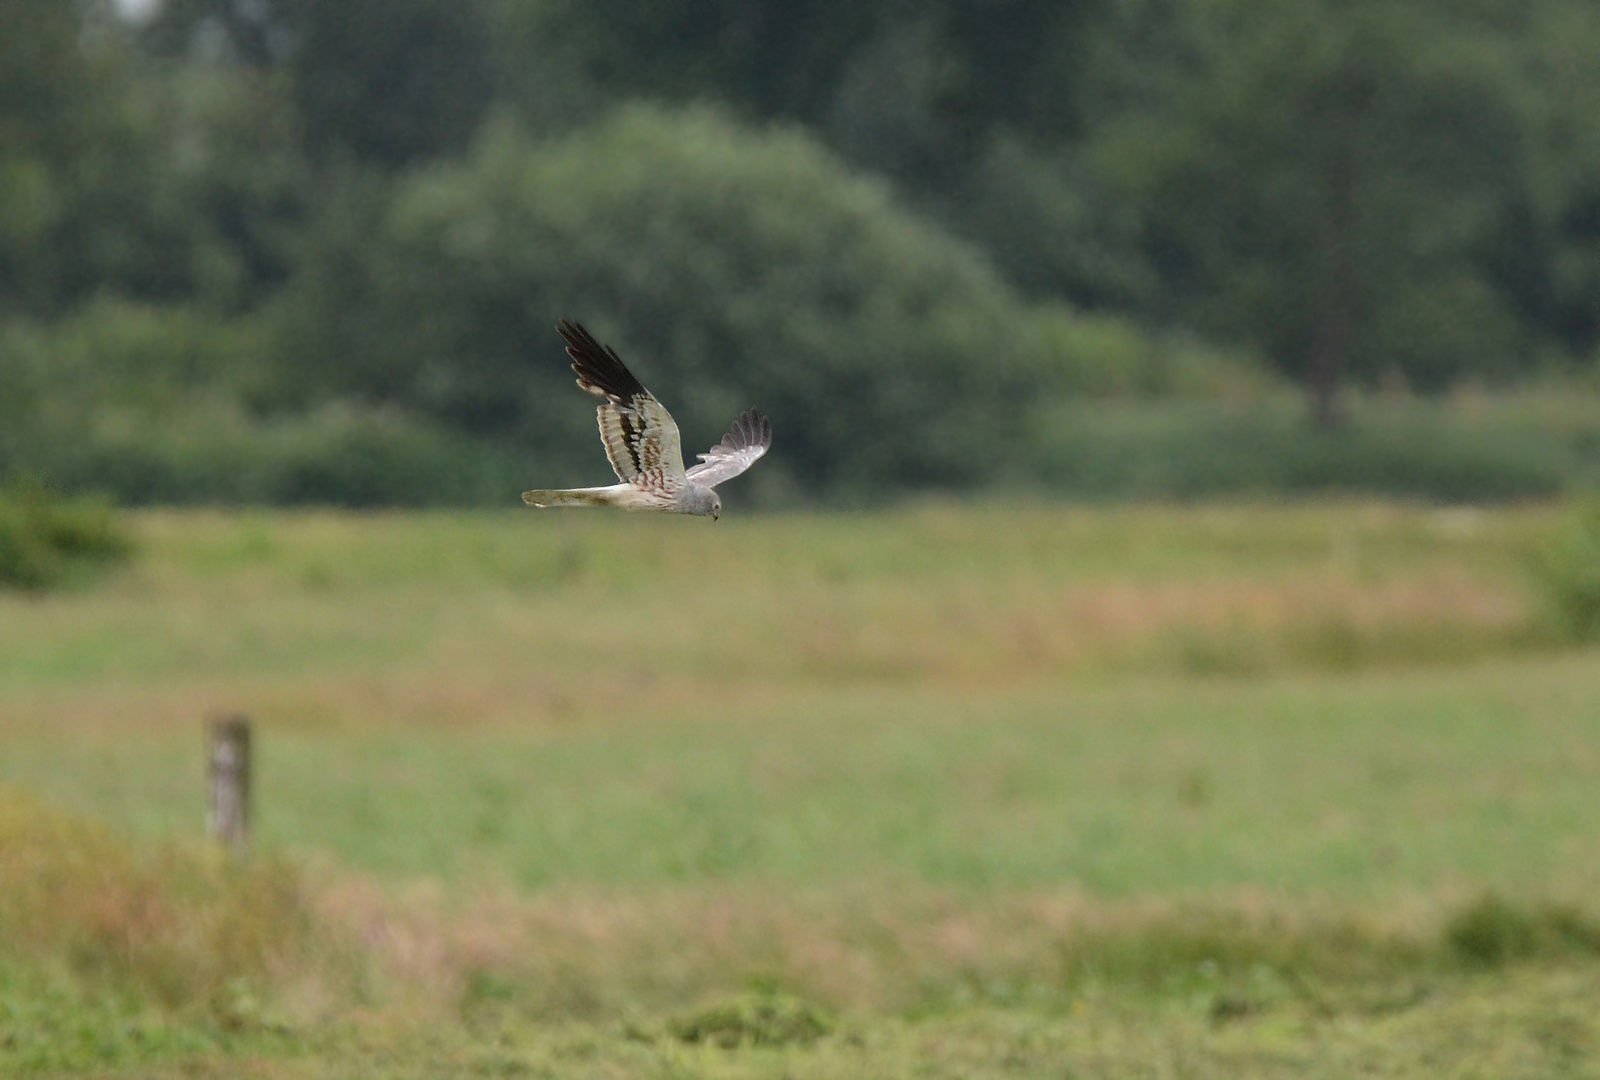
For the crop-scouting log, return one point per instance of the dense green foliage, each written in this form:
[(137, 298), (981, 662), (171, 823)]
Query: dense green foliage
[(881, 222), (1380, 187), (771, 275)]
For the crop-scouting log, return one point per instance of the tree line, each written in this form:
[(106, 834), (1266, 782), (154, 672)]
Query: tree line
[(908, 229)]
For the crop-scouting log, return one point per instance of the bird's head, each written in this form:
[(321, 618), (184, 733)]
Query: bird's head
[(699, 500)]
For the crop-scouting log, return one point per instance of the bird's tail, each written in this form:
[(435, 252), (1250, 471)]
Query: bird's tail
[(569, 497)]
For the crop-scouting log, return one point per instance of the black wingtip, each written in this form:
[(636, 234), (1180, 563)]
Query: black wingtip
[(580, 343), (598, 366)]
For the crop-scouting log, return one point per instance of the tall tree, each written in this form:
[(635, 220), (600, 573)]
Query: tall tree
[(94, 187), (64, 138), (1324, 179), (908, 88), (382, 82), (766, 57)]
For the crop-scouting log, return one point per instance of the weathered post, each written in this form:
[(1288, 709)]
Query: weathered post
[(229, 767)]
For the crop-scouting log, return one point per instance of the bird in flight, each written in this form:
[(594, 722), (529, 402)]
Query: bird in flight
[(641, 439)]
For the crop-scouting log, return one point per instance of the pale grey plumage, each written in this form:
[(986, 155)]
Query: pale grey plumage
[(642, 442)]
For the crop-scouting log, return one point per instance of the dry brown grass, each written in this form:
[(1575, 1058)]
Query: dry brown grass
[(462, 618), (183, 927), (418, 655), (878, 949), (191, 931)]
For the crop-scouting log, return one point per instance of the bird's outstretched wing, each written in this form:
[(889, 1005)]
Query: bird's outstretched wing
[(740, 447), (640, 436)]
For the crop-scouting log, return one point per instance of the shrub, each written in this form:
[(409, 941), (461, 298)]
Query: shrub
[(1568, 567), (44, 537), (731, 266), (335, 455), (121, 355)]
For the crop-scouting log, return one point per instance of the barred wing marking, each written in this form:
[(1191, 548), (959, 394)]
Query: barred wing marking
[(640, 436), (739, 449)]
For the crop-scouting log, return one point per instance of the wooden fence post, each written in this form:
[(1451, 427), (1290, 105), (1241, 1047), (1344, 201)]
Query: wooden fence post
[(229, 768)]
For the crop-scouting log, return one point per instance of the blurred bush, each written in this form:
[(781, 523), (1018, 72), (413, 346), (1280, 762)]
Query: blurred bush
[(346, 457), (44, 538), (730, 266), (148, 404), (335, 455), (115, 353), (1569, 569)]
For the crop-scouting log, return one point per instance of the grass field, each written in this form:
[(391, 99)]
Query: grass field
[(946, 790)]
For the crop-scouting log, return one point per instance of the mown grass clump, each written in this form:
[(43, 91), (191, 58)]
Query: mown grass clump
[(760, 1018), (45, 538), (1493, 931)]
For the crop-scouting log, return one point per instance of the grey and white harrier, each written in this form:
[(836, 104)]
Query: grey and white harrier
[(641, 439)]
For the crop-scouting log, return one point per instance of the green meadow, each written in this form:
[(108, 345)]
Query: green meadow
[(945, 790)]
